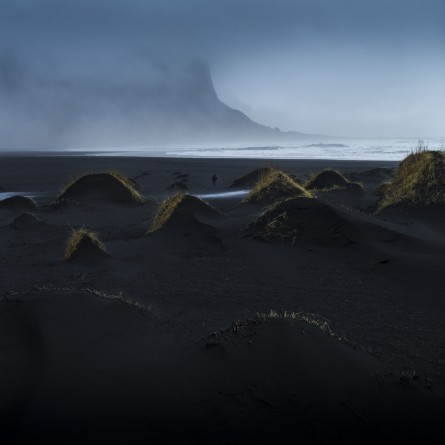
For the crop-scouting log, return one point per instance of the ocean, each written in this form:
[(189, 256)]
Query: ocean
[(371, 149), (340, 149)]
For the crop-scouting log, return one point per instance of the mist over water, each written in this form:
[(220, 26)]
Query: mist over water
[(382, 149), (108, 74)]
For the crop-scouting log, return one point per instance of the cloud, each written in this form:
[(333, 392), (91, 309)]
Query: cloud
[(345, 67)]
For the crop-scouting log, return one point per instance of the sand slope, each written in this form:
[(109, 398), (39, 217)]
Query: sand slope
[(97, 367)]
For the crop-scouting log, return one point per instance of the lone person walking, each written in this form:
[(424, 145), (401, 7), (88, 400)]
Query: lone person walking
[(214, 179)]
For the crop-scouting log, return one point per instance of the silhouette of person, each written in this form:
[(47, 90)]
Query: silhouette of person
[(214, 179)]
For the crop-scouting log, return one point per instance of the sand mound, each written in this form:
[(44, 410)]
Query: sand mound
[(251, 178), (299, 220), (182, 210), (338, 391), (25, 220), (326, 180), (84, 245), (18, 203), (419, 182), (273, 186), (333, 186), (111, 186), (262, 381), (177, 186)]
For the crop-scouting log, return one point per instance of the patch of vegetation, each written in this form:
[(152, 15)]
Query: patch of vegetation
[(419, 181), (82, 240), (313, 319), (275, 185), (111, 184), (299, 220), (135, 305), (239, 326), (329, 180), (181, 208)]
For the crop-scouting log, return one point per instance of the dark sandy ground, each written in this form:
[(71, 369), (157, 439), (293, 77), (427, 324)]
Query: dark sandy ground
[(140, 347)]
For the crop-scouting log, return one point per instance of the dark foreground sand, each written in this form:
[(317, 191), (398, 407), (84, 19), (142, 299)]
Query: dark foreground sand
[(161, 342)]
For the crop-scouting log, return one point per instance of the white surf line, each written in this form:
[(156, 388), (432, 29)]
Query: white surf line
[(223, 195), (5, 195)]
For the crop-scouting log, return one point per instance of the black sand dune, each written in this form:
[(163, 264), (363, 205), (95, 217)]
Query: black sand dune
[(26, 221), (300, 220), (274, 186), (309, 220), (418, 185), (332, 185), (326, 180), (99, 369), (18, 203), (109, 187), (183, 211)]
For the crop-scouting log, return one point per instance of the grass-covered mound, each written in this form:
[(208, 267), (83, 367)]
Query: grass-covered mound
[(275, 185), (25, 221), (419, 182), (84, 245), (327, 180), (110, 186), (18, 203), (382, 189), (298, 220), (182, 210), (251, 178)]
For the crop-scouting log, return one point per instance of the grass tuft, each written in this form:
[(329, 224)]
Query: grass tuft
[(128, 187), (327, 180), (313, 319), (166, 210), (419, 181), (274, 185), (75, 240), (182, 208)]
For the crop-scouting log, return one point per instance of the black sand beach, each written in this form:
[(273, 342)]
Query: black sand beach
[(217, 327)]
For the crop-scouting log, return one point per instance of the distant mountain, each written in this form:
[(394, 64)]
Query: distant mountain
[(197, 114), (174, 108)]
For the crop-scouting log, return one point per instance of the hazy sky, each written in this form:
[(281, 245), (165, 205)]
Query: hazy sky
[(338, 67)]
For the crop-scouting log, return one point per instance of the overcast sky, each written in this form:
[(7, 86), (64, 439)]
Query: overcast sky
[(338, 67)]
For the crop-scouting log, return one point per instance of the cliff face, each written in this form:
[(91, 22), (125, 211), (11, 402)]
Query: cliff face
[(175, 109)]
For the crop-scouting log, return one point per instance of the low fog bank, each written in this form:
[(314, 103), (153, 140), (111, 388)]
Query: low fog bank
[(158, 105)]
